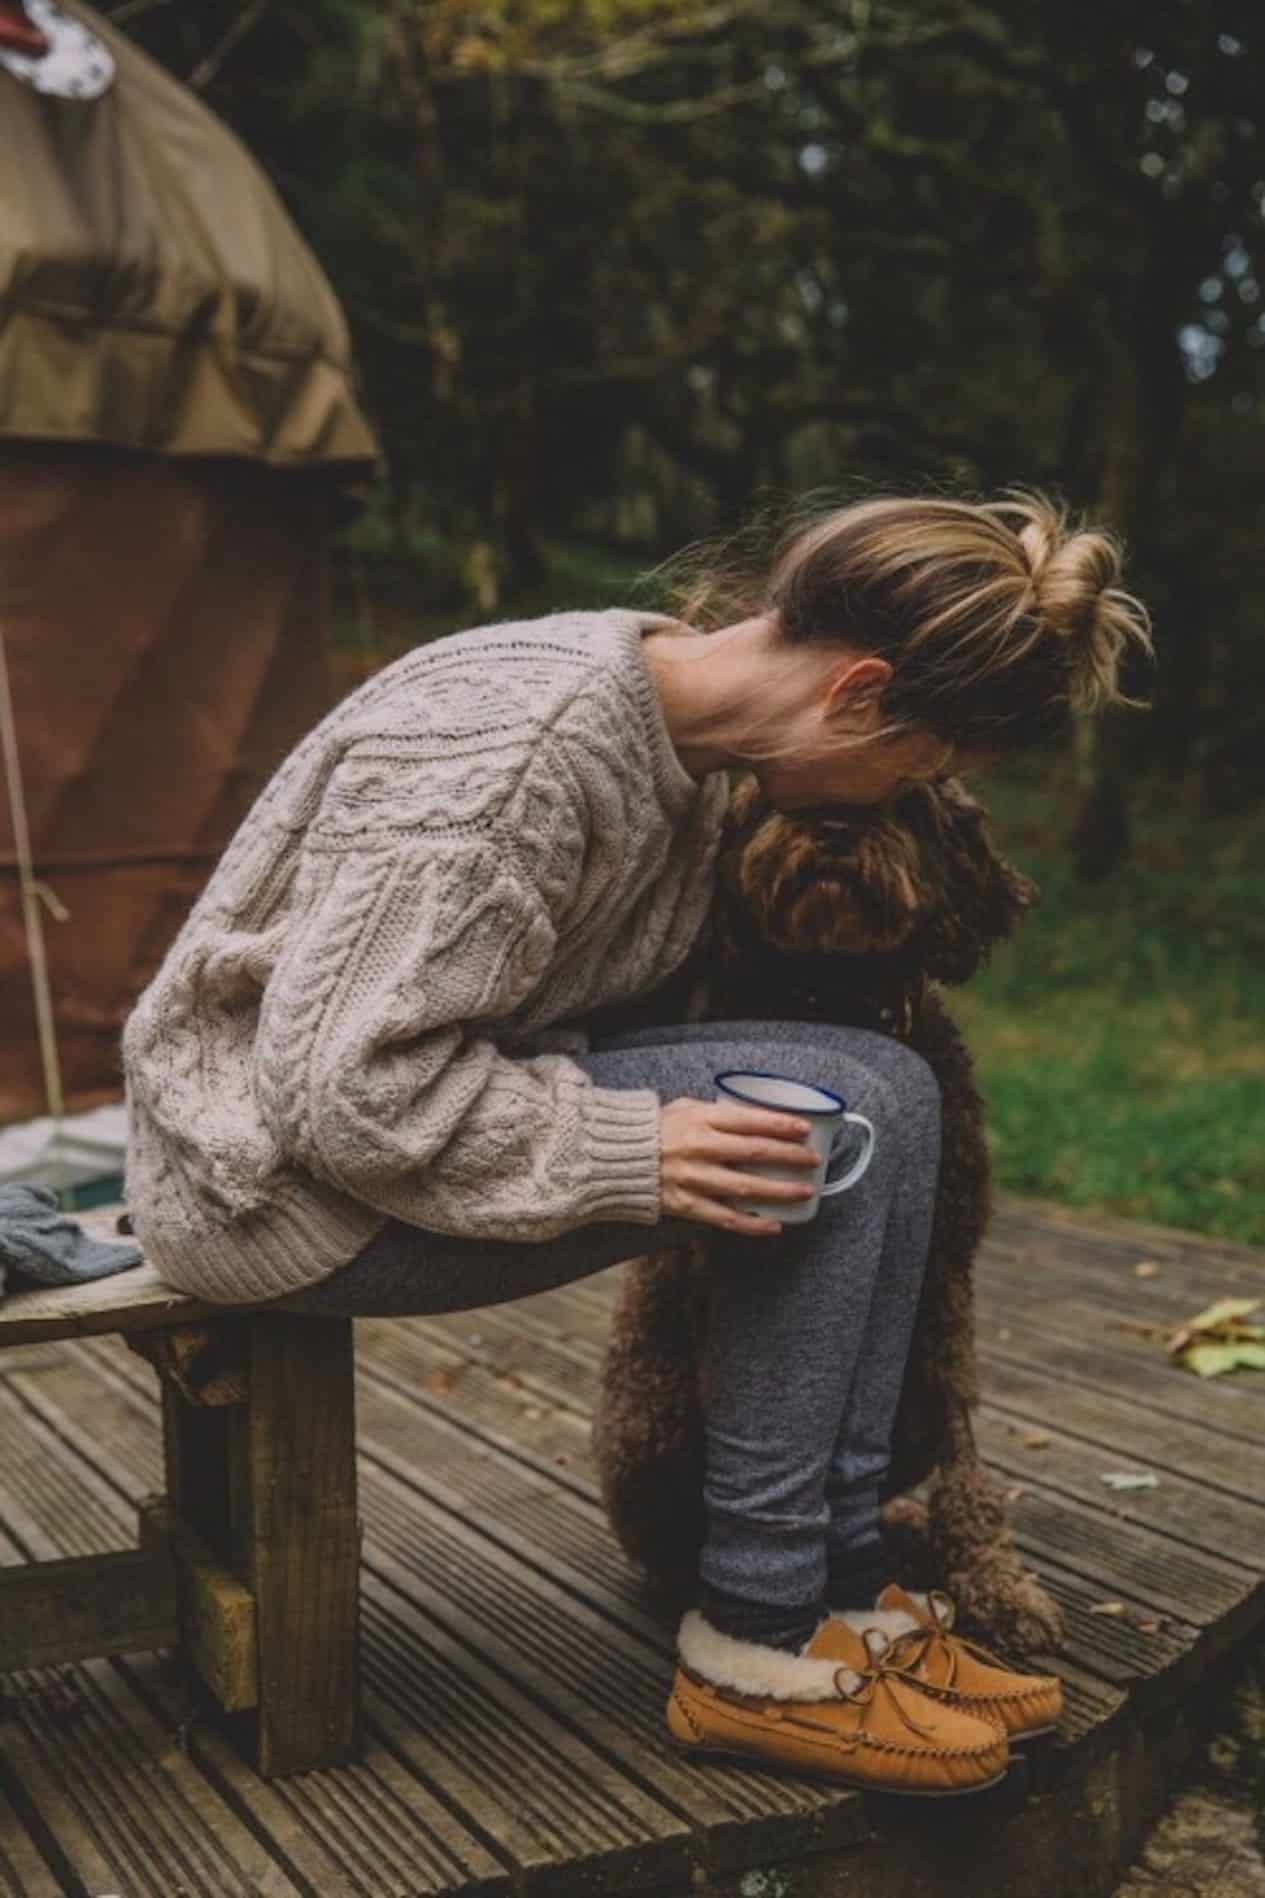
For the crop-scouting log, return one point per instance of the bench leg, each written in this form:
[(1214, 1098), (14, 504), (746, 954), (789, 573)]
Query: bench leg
[(270, 1485), (298, 1463)]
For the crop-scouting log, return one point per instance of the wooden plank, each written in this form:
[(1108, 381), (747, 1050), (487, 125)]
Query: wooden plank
[(1080, 1342), (52, 1506), (216, 1613), (27, 1357), (483, 1548), (507, 1343), (132, 1300), (373, 1830), (1027, 1214), (1124, 1308), (1228, 1475), (84, 1605), (1099, 1272), (1190, 1520), (24, 1871), (569, 1822), (296, 1445), (1171, 1293), (114, 1804), (1119, 1558), (1153, 1655)]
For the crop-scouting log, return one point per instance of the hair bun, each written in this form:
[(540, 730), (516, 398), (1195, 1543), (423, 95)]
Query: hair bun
[(1075, 575)]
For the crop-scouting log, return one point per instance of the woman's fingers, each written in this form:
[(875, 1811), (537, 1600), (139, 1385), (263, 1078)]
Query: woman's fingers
[(712, 1180), (733, 1149), (733, 1117), (705, 1146)]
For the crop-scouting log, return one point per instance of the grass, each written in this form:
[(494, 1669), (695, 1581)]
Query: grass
[(1120, 1039)]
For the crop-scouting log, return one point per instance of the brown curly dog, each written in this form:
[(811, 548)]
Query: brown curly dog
[(851, 916)]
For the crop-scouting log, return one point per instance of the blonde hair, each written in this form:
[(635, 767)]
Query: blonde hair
[(1000, 619)]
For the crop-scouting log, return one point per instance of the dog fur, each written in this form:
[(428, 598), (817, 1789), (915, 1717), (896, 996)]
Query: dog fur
[(855, 916)]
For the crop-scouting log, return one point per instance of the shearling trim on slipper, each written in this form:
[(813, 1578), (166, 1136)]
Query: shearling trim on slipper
[(889, 1621), (750, 1668)]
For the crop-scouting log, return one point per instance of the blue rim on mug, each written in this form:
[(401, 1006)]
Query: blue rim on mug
[(778, 1107)]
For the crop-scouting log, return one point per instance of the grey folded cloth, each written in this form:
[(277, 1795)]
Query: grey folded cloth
[(38, 1241)]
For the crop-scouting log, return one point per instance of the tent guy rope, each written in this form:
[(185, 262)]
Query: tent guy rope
[(33, 893)]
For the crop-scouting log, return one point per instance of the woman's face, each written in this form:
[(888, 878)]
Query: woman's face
[(822, 771), (870, 774)]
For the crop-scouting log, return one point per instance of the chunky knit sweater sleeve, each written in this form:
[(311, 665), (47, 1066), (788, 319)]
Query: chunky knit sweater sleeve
[(372, 1072)]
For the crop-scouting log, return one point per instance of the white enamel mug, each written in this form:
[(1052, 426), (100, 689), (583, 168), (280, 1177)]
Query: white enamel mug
[(828, 1120)]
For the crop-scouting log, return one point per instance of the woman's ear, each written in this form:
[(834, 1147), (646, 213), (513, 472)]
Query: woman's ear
[(857, 679)]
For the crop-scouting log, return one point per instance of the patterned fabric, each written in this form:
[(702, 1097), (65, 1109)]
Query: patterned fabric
[(366, 1012)]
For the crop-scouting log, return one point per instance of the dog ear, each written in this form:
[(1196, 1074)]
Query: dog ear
[(985, 898)]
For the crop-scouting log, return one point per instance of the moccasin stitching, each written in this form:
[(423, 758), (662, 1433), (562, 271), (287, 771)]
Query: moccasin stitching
[(687, 1716), (740, 1708)]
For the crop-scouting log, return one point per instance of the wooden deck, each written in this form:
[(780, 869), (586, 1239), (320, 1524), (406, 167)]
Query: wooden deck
[(515, 1677)]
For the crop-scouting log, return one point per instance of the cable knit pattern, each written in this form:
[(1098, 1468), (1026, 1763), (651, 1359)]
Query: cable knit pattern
[(367, 1012)]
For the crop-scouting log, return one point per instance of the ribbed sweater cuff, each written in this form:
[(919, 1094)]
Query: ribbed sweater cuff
[(621, 1134)]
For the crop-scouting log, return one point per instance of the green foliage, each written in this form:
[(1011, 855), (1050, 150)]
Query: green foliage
[(618, 268), (1120, 1038)]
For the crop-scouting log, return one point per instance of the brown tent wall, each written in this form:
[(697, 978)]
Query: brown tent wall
[(164, 625), (177, 412)]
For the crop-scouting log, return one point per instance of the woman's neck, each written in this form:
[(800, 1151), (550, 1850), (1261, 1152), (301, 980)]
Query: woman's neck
[(705, 682)]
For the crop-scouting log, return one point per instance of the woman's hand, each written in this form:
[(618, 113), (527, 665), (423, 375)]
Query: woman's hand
[(704, 1146)]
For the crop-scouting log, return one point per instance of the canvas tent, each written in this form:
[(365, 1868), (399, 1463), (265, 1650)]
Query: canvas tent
[(177, 414)]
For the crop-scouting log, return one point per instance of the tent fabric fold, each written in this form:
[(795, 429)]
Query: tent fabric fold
[(154, 293)]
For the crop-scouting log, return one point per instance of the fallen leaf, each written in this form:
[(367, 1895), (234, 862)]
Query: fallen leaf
[(1036, 1440), (1146, 1269), (440, 1381), (1222, 1312), (1210, 1360), (1130, 1479), (1113, 1608), (1015, 1491), (531, 1413), (1147, 1626), (1221, 1339)]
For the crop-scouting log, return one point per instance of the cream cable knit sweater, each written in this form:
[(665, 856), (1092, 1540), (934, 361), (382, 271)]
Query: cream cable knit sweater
[(364, 1014)]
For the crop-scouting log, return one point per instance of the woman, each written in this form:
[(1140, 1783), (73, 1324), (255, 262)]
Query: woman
[(361, 1081)]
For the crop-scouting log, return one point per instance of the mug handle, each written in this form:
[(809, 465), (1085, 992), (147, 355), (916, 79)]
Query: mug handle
[(859, 1165)]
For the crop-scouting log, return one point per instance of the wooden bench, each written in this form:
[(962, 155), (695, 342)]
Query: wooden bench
[(248, 1566)]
